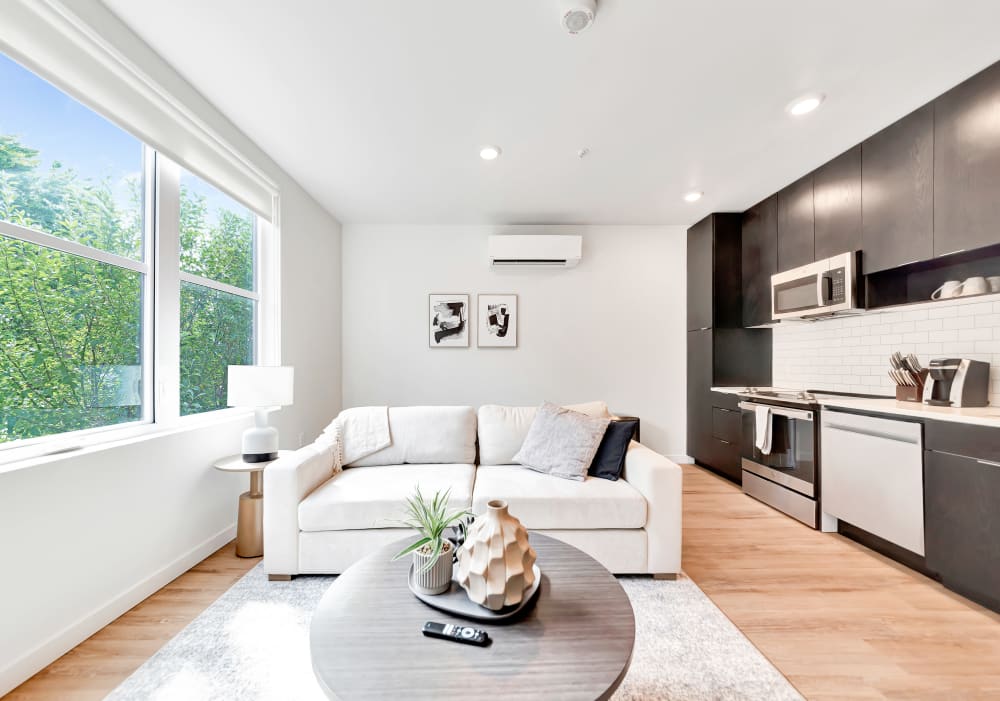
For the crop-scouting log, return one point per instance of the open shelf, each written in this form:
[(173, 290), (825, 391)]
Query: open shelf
[(914, 283)]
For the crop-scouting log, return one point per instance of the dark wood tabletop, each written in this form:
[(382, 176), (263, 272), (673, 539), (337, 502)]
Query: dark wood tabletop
[(575, 643)]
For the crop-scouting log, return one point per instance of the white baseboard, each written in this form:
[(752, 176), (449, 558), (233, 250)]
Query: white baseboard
[(681, 459), (72, 635)]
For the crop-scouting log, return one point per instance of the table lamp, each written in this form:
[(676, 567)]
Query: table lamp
[(264, 389)]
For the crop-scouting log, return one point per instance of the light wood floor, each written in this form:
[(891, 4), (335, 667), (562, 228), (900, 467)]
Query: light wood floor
[(101, 662), (838, 620)]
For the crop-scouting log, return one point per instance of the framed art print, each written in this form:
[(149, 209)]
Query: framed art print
[(449, 321), (497, 321)]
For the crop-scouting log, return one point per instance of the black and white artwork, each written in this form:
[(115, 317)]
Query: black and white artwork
[(498, 321), (449, 316)]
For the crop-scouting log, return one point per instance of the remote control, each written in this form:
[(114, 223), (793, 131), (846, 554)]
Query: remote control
[(459, 634)]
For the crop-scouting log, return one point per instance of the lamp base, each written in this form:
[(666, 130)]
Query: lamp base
[(260, 444)]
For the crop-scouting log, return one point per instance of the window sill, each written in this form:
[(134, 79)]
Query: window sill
[(114, 439)]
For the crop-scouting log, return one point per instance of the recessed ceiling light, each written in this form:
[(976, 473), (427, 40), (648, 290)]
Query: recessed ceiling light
[(489, 153), (804, 105), (693, 196)]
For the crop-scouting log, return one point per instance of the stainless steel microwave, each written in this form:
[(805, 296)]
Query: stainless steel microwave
[(825, 287)]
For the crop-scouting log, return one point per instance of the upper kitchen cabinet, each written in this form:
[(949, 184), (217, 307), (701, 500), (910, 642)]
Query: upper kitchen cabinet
[(796, 224), (837, 205), (759, 252), (967, 164), (713, 273), (897, 193)]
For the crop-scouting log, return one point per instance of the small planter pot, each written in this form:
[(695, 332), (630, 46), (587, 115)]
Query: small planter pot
[(436, 580)]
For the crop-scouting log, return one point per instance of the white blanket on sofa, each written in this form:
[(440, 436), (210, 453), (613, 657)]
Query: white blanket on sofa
[(357, 433)]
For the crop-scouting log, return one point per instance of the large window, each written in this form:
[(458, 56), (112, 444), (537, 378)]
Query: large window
[(72, 266), (218, 297), (78, 274)]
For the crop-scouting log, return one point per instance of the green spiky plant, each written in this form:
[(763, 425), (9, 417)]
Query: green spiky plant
[(430, 519)]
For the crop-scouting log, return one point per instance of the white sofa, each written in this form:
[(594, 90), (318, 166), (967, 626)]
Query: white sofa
[(318, 522)]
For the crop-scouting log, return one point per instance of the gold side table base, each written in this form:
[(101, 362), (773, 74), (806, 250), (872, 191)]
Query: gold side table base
[(250, 519)]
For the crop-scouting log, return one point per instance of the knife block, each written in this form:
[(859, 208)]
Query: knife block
[(912, 394)]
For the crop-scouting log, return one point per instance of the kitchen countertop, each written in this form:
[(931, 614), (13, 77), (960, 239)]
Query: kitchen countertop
[(980, 416)]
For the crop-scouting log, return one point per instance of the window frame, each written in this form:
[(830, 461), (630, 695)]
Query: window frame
[(160, 309)]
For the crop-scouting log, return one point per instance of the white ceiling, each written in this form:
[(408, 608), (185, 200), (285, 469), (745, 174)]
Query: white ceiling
[(379, 108)]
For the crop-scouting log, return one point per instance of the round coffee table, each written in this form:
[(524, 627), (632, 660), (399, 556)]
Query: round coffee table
[(575, 643)]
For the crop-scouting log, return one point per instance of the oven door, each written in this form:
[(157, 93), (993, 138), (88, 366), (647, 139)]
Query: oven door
[(792, 459)]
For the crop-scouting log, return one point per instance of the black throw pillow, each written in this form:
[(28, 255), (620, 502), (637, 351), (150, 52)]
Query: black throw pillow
[(610, 458)]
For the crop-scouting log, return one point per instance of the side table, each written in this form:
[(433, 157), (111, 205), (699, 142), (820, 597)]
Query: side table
[(250, 517)]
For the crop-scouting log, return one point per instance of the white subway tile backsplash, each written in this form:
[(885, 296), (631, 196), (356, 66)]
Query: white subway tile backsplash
[(852, 354), (958, 322), (976, 309), (944, 336), (980, 334)]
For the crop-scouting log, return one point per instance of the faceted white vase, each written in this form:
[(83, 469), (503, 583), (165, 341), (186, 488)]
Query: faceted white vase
[(495, 562)]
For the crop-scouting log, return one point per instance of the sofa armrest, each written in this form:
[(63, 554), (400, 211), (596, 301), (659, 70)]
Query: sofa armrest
[(659, 480), (287, 481)]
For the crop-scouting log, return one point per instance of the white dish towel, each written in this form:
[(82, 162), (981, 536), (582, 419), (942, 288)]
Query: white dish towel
[(762, 429)]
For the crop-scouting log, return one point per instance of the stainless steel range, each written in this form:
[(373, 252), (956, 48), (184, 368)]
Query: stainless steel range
[(780, 451)]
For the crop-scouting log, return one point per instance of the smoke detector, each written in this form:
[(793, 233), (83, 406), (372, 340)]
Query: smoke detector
[(577, 15)]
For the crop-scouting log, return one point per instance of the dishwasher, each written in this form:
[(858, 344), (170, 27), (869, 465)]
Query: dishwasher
[(872, 476)]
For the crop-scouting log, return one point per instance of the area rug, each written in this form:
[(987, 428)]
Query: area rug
[(253, 643)]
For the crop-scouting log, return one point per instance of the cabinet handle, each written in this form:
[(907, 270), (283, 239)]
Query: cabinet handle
[(988, 462), (728, 443)]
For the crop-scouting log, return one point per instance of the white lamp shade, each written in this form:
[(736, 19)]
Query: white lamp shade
[(259, 386)]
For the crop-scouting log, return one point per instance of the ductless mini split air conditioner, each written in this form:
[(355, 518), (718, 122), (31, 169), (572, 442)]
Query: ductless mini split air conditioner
[(535, 251)]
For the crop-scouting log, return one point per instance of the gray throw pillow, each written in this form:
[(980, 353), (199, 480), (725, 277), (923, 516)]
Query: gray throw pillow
[(562, 442)]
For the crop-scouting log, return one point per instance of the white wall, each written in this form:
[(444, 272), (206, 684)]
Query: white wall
[(85, 537), (851, 354), (611, 328)]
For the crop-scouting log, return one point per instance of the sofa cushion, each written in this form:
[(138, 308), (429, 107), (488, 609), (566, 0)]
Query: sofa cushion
[(502, 429), (374, 497), (562, 442), (543, 501), (610, 458), (427, 435)]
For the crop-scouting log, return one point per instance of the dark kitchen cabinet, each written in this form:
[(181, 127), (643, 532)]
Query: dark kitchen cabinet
[(699, 380), (700, 245), (967, 164), (837, 205), (720, 352), (961, 519), (759, 254), (897, 193), (962, 524), (713, 272), (722, 358), (796, 224)]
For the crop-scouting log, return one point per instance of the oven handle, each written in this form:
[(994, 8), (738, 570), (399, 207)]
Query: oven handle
[(780, 411)]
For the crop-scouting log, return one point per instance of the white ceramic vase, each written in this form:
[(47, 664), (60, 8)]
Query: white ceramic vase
[(437, 579), (495, 562)]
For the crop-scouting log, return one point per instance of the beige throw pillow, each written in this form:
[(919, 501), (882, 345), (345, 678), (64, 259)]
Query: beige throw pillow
[(562, 442)]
